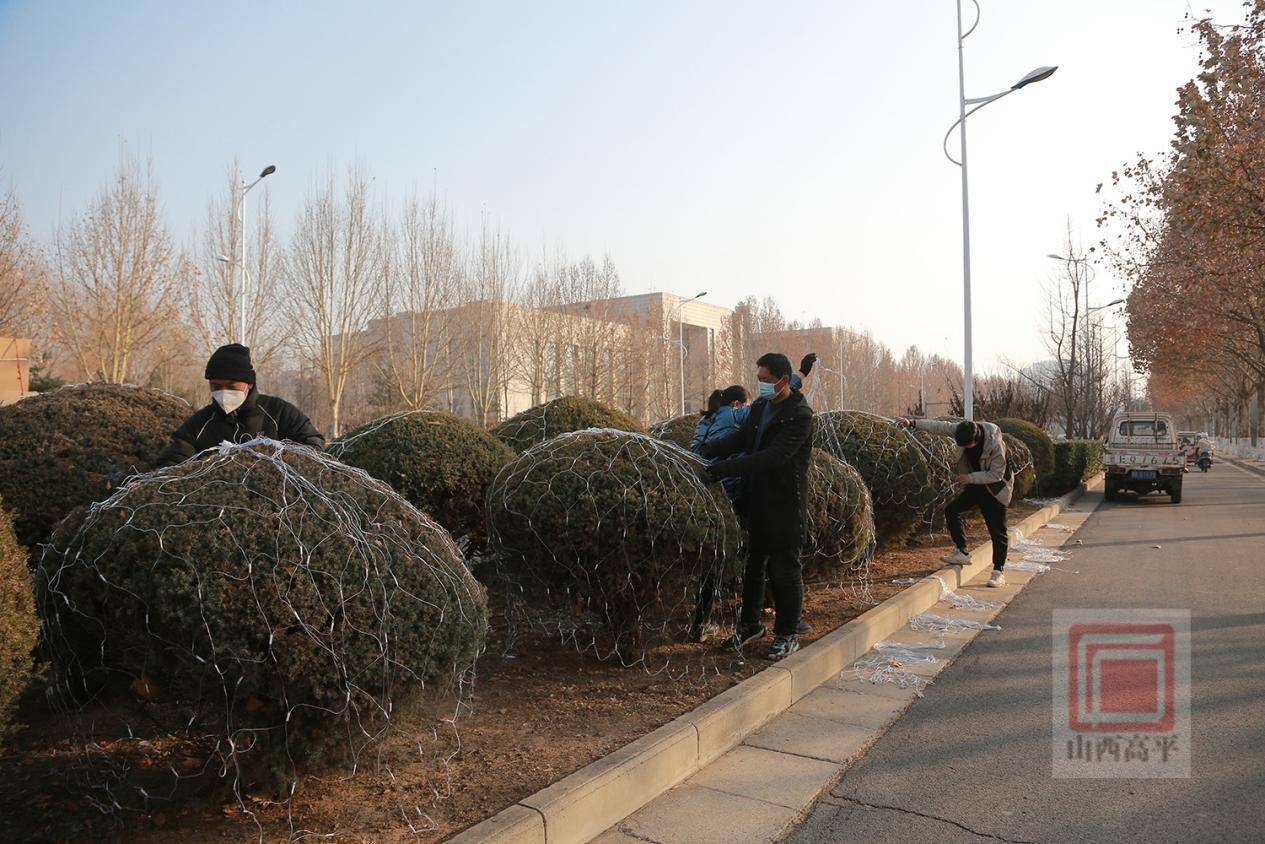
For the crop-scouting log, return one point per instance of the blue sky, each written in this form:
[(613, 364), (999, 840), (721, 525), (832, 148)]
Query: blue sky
[(787, 149)]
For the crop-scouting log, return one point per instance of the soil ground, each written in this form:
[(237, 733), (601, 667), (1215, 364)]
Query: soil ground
[(536, 718)]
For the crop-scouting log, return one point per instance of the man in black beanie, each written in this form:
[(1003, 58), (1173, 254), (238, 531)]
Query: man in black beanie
[(237, 412), (985, 482)]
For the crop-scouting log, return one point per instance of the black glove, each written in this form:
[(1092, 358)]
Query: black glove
[(711, 475), (806, 365)]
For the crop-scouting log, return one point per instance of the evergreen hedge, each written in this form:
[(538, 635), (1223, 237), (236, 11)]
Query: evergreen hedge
[(1075, 461), (1038, 442), (70, 447), (610, 535), (561, 416), (269, 603), (19, 626), (893, 464), (840, 535), (678, 429), (441, 463)]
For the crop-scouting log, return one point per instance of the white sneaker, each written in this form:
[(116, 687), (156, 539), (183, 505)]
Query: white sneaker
[(957, 558), (997, 578)]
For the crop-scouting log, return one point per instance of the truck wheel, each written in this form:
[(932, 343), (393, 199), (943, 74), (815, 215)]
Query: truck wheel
[(1109, 491), (1175, 494)]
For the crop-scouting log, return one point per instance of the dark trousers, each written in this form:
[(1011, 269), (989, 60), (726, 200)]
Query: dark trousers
[(779, 565), (994, 513)]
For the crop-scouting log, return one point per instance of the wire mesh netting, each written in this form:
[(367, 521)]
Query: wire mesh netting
[(616, 542), (909, 479), (678, 429), (249, 616), (840, 538)]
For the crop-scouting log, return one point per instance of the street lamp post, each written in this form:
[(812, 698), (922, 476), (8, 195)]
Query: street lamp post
[(241, 213), (680, 340), (978, 102)]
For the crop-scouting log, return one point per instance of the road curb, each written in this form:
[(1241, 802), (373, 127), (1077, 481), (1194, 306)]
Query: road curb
[(1247, 467), (601, 794)]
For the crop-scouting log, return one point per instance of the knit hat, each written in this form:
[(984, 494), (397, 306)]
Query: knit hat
[(231, 363), (964, 433)]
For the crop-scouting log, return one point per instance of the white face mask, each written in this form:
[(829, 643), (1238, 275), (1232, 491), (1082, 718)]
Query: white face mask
[(229, 400)]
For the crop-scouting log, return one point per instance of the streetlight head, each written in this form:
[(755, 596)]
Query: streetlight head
[(1056, 257), (272, 168), (1034, 76), (701, 295), (223, 259), (1113, 303)]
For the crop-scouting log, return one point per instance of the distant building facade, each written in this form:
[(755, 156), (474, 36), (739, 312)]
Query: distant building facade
[(15, 369)]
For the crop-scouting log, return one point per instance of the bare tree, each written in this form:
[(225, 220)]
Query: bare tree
[(116, 278), (537, 325), (214, 301), (1082, 361), (487, 326), (333, 280), (19, 276), (422, 285), (593, 335)]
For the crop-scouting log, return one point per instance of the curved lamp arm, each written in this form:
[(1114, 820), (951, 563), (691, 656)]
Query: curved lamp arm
[(978, 102), (977, 17)]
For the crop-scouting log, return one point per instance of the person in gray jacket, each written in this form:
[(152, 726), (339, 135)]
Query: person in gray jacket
[(985, 483)]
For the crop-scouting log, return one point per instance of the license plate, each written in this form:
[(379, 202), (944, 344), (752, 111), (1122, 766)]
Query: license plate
[(1143, 474)]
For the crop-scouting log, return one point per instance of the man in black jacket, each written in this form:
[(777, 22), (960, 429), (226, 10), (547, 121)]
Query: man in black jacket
[(774, 447), (237, 412)]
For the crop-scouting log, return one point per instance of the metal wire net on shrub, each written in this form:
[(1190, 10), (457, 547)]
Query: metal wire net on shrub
[(248, 616), (909, 479), (615, 542), (678, 429), (840, 536)]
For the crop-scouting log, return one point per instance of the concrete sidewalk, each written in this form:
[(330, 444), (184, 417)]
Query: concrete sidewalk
[(973, 760), (758, 790)]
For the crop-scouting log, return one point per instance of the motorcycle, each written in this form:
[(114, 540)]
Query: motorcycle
[(1204, 462)]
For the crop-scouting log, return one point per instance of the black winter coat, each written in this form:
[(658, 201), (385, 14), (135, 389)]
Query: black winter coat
[(259, 416), (774, 496)]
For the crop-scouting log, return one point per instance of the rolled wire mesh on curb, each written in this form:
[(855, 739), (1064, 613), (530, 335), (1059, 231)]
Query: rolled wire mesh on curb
[(249, 616), (615, 542), (943, 624), (887, 664)]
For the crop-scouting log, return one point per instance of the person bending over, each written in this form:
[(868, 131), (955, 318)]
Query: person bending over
[(984, 481), (237, 412)]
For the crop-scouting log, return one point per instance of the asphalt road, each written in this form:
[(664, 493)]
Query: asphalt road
[(972, 760)]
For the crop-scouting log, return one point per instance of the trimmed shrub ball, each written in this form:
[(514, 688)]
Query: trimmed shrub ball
[(891, 460), (678, 429), (613, 539), (442, 464), (18, 625), (840, 536), (941, 454), (71, 446), (1037, 441), (1019, 462), (560, 416), (269, 605)]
